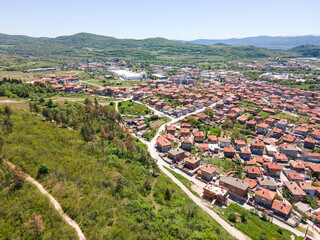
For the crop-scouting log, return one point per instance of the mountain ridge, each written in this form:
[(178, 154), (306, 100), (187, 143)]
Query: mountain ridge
[(270, 42)]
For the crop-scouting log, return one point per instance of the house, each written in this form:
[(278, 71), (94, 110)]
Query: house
[(264, 197), (289, 150), (310, 157), (245, 153), (192, 162), (309, 143), (303, 208), (297, 166), (289, 138), (253, 183), (176, 154), (199, 136), (282, 124), (211, 192), (186, 143), (314, 169), (214, 148), (240, 144), (280, 158), (251, 124), (267, 183), (257, 147), (224, 142), (212, 139), (262, 128), (229, 152), (163, 144), (295, 192), (185, 132), (253, 172), (208, 172), (308, 188), (294, 177), (281, 208), (301, 131), (236, 187), (171, 129), (271, 150), (274, 169), (276, 133)]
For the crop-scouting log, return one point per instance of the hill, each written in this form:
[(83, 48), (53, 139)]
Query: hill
[(263, 41), (103, 178), (83, 45), (307, 50)]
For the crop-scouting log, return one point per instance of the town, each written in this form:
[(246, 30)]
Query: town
[(255, 143)]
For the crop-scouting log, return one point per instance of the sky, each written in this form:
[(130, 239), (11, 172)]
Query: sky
[(172, 19)]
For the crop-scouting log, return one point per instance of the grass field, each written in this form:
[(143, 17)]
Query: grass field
[(133, 108), (254, 226)]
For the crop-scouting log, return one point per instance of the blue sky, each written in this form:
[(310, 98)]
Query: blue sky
[(172, 19)]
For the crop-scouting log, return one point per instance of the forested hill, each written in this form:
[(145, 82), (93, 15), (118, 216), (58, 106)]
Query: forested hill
[(307, 50), (263, 41), (90, 45)]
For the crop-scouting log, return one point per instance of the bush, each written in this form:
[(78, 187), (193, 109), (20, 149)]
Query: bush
[(43, 169), (232, 217)]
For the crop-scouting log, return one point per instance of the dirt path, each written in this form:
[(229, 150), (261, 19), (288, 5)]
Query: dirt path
[(55, 203)]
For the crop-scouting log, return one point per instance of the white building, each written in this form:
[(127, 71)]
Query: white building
[(128, 75)]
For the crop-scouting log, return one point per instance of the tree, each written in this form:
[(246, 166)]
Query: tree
[(168, 194), (43, 169), (8, 111), (50, 103), (192, 120), (264, 216), (36, 222), (232, 217), (2, 140)]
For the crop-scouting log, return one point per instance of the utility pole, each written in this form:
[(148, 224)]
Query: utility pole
[(306, 232)]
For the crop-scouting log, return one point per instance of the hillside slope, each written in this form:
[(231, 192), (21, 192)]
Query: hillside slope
[(91, 45)]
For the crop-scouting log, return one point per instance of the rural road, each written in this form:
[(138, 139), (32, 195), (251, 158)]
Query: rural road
[(153, 152), (55, 203)]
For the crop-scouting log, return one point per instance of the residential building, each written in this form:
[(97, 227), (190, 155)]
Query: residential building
[(274, 169), (176, 154), (308, 188), (296, 193), (229, 152), (208, 172), (281, 208), (245, 153), (267, 183), (213, 192), (236, 187), (192, 162), (186, 143), (264, 197), (262, 128), (163, 144), (253, 172)]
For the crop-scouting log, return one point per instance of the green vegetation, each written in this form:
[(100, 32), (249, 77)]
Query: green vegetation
[(16, 89), (26, 213), (247, 104), (102, 177), (225, 164), (132, 108), (254, 226), (158, 50), (183, 180)]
